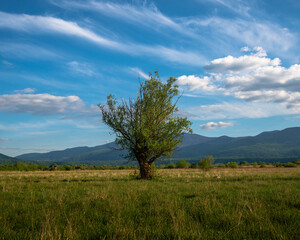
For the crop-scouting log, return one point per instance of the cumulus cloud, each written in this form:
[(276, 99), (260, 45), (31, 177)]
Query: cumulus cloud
[(193, 83), (42, 104), (215, 125), (253, 78), (246, 62)]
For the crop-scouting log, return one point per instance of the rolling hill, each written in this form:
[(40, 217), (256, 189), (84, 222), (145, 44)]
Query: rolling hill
[(268, 146), (7, 160)]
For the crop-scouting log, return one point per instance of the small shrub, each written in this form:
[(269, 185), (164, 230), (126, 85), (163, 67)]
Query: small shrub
[(244, 163), (254, 164), (262, 165), (194, 165), (277, 164), (290, 164), (182, 164), (232, 165), (207, 162), (171, 165), (221, 165), (67, 168), (162, 166)]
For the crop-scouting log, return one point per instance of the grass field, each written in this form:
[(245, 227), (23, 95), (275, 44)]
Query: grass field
[(242, 203)]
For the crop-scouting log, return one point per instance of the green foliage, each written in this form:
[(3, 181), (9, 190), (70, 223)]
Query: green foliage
[(221, 165), (146, 126), (262, 165), (207, 162), (171, 165), (232, 165), (290, 164), (194, 165), (182, 164), (254, 164), (244, 163)]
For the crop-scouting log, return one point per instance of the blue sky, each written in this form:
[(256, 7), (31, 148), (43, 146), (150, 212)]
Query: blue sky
[(237, 64)]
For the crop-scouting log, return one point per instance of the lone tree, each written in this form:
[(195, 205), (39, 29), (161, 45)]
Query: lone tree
[(146, 126)]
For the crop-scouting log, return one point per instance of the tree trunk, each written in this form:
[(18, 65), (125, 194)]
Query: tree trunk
[(145, 170)]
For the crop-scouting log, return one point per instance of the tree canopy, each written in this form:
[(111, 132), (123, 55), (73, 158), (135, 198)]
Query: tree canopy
[(147, 126)]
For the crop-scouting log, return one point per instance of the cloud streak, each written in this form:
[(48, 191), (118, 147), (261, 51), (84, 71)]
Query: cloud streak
[(215, 125), (47, 24), (3, 140), (42, 104)]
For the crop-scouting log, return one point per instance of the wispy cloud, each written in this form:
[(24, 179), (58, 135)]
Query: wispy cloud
[(7, 63), (82, 68), (145, 15), (236, 110), (43, 132), (25, 51), (26, 90), (250, 32), (138, 72), (3, 140), (45, 24), (215, 125)]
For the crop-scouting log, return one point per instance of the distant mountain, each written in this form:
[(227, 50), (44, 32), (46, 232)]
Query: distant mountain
[(7, 160), (268, 146)]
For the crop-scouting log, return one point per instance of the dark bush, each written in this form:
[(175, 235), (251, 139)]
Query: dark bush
[(232, 165), (182, 164), (194, 165), (171, 165)]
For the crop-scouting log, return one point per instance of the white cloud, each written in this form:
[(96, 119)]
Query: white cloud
[(193, 83), (253, 78), (239, 7), (26, 125), (82, 68), (38, 24), (7, 63), (47, 24), (139, 72), (250, 32), (26, 90), (42, 104), (140, 14), (246, 62), (215, 125), (42, 132), (235, 110)]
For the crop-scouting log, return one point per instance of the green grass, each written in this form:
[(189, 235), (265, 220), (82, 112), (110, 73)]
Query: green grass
[(243, 203)]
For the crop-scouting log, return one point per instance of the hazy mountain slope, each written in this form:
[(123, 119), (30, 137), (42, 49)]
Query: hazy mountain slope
[(283, 144), (7, 160)]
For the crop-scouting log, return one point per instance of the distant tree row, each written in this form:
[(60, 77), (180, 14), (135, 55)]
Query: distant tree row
[(205, 163)]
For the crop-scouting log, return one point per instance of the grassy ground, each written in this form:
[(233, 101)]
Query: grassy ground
[(243, 203)]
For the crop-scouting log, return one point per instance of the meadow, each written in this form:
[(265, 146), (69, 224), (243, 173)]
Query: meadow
[(221, 203)]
